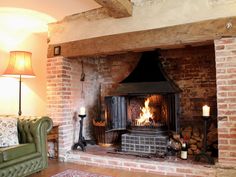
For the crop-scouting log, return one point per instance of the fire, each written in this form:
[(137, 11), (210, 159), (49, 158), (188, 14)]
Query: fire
[(145, 114)]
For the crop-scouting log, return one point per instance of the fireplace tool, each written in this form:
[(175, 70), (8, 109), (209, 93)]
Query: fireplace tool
[(81, 141), (203, 153)]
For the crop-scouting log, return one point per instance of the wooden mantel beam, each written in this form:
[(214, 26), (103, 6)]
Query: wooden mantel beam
[(117, 8), (149, 39)]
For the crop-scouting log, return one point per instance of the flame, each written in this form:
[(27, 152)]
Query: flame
[(145, 114)]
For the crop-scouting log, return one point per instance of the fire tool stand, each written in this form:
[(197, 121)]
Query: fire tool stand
[(203, 153), (81, 142)]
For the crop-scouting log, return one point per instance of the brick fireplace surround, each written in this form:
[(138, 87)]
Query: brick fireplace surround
[(64, 98)]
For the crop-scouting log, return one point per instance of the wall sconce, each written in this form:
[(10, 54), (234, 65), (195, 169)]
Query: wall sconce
[(20, 66)]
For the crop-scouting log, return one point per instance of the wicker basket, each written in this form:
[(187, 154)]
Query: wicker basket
[(104, 138)]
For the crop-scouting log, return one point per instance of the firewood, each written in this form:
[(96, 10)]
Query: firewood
[(192, 141), (193, 147), (190, 152)]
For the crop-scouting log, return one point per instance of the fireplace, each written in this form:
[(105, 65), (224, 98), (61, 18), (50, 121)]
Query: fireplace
[(146, 105), (191, 68)]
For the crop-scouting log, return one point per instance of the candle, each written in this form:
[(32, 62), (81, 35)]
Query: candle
[(206, 111), (82, 111)]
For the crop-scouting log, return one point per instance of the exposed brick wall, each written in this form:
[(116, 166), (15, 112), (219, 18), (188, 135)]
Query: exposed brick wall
[(193, 70), (59, 98), (64, 91), (85, 93), (225, 50)]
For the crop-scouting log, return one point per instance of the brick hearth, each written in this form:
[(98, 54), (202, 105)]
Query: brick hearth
[(64, 99), (98, 156)]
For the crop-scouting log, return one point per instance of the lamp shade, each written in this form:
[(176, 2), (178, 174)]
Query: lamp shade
[(20, 65)]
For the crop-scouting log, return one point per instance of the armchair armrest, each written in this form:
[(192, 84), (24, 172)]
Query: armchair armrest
[(34, 130)]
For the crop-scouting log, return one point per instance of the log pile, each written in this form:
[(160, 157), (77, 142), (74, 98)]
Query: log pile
[(194, 137)]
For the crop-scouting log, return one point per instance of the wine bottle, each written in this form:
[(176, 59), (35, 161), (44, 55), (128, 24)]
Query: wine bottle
[(184, 152)]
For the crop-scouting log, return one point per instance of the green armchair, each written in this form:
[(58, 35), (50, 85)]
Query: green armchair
[(30, 155)]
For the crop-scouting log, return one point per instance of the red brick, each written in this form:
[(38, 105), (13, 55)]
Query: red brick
[(226, 88), (129, 164), (233, 142), (222, 76), (227, 100), (231, 82), (232, 118), (223, 154), (114, 162), (100, 161), (227, 135), (86, 159), (166, 168), (232, 130), (223, 141), (222, 106), (205, 172), (232, 106), (219, 47), (232, 47), (232, 154), (148, 167), (220, 70), (231, 70), (228, 159), (223, 124), (223, 53), (223, 130), (224, 41), (230, 59), (224, 147), (222, 94)]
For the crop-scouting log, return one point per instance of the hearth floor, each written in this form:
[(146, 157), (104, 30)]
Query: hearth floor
[(111, 152), (101, 156)]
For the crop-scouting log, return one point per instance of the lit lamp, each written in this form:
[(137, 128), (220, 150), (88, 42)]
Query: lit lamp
[(20, 66)]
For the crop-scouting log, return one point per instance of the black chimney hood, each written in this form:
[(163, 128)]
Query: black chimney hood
[(148, 77)]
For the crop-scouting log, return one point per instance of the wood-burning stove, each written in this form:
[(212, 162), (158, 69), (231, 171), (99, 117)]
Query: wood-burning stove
[(146, 105)]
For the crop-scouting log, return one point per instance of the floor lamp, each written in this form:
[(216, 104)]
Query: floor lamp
[(20, 66)]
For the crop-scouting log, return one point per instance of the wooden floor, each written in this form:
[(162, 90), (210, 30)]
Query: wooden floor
[(56, 167)]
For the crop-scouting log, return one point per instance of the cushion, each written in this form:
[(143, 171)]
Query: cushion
[(17, 151), (8, 131)]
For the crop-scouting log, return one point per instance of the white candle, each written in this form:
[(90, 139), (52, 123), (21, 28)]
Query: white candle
[(205, 110), (82, 111)]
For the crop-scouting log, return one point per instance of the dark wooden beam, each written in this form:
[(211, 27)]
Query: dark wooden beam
[(117, 8), (149, 39)]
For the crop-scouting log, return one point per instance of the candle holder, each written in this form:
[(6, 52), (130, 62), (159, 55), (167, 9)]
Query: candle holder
[(203, 154), (81, 141)]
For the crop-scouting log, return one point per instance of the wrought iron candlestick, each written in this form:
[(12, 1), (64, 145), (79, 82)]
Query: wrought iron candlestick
[(81, 141), (203, 153)]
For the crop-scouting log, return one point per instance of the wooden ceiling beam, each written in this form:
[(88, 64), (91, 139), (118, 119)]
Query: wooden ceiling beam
[(117, 8), (208, 30)]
